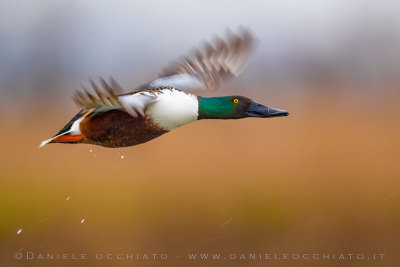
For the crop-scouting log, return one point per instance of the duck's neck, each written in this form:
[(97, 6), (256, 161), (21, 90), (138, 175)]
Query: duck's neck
[(215, 107)]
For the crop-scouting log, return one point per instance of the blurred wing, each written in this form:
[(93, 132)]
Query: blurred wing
[(206, 68), (106, 99)]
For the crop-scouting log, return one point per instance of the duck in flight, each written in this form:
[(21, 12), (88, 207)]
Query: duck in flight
[(111, 118)]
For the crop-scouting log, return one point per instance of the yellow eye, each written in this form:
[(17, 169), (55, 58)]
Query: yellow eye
[(235, 100)]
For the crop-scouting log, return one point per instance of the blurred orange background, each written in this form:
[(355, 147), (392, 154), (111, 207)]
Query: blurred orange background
[(323, 180)]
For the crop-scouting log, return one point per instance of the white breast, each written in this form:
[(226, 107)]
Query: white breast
[(173, 108)]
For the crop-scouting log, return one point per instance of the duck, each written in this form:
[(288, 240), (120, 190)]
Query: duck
[(113, 118)]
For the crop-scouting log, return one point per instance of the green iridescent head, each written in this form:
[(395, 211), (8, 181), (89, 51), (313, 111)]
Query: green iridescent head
[(234, 107)]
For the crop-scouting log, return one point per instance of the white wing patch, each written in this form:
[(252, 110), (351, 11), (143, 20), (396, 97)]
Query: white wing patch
[(173, 108), (136, 103), (182, 81)]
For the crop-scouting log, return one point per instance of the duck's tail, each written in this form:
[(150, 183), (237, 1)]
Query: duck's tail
[(70, 133)]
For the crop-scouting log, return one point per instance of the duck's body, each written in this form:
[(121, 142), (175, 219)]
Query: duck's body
[(112, 120), (118, 129), (170, 109)]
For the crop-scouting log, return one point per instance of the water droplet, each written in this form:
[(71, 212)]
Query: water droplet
[(68, 198), (19, 231), (122, 156), (91, 150), (391, 195), (83, 220), (225, 223)]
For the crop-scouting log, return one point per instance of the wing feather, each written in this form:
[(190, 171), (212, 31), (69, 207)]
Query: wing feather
[(106, 99), (208, 67)]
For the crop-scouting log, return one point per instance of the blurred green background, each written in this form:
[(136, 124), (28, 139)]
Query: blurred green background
[(323, 180)]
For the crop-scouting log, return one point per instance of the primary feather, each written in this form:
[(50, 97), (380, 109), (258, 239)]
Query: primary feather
[(206, 68)]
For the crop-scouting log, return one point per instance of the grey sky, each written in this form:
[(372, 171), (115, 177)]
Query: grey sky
[(45, 43)]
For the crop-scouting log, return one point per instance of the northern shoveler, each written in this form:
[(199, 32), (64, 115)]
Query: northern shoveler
[(127, 119)]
